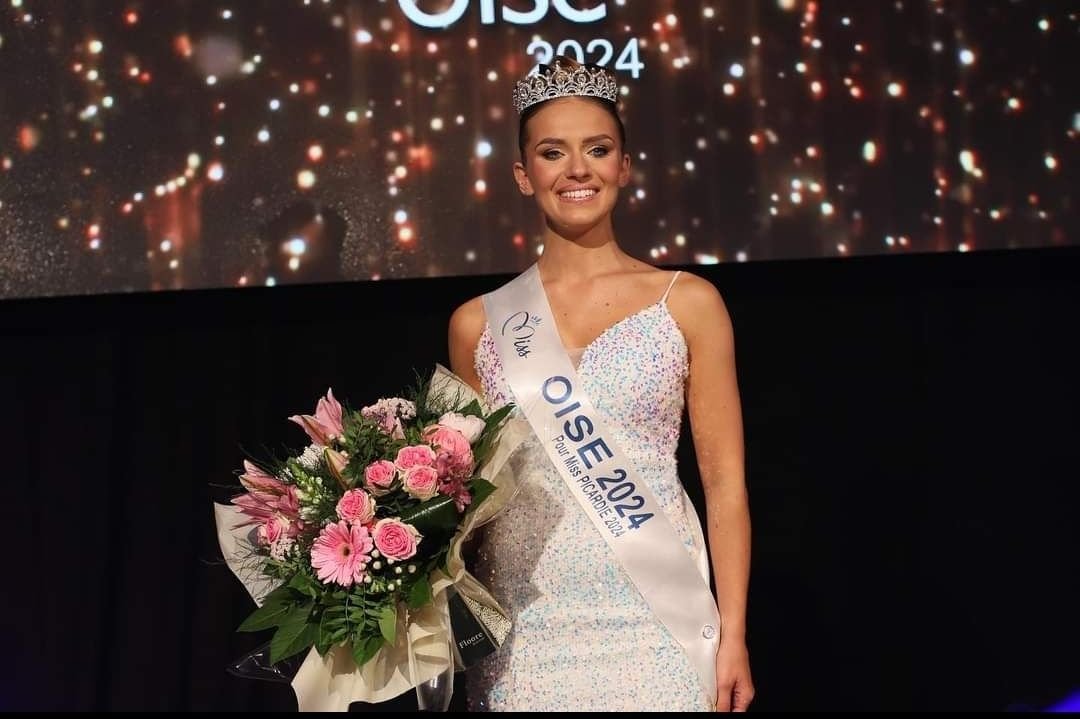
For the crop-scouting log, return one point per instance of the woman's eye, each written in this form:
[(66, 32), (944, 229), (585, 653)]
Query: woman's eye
[(551, 154), (599, 151)]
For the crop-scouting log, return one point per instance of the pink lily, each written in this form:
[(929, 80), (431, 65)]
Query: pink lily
[(267, 497), (255, 479), (326, 424)]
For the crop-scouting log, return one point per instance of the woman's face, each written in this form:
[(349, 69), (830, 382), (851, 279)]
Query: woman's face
[(573, 164)]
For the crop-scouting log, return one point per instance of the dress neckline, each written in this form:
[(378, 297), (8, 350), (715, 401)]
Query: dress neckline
[(587, 349), (611, 328), (583, 350)]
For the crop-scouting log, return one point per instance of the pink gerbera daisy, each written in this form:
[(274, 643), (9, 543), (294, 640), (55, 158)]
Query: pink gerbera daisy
[(341, 553)]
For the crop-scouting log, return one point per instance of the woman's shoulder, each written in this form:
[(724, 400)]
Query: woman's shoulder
[(466, 325), (693, 289), (467, 321), (693, 286), (696, 304)]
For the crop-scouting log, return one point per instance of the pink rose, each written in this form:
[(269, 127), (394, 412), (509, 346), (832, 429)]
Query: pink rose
[(470, 426), (416, 456), (356, 506), (422, 482), (454, 455), (396, 540), (447, 439), (272, 530), (380, 475)]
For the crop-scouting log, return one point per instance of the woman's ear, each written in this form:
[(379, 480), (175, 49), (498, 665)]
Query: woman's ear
[(624, 170), (523, 183)]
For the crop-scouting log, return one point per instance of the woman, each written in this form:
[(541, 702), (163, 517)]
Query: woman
[(596, 625)]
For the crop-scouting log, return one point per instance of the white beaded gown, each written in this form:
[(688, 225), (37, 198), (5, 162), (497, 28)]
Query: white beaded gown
[(583, 638)]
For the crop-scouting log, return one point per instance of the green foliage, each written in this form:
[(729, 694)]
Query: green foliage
[(420, 593), (273, 610), (294, 634), (366, 444), (366, 648), (481, 489), (388, 623), (436, 515)]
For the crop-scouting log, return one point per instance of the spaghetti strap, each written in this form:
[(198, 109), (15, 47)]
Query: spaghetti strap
[(668, 292)]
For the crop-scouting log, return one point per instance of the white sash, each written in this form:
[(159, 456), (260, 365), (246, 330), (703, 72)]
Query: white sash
[(598, 473)]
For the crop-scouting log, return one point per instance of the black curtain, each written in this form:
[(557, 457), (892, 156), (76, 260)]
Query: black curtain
[(911, 429)]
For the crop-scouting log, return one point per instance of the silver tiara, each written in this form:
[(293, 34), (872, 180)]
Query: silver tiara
[(552, 81)]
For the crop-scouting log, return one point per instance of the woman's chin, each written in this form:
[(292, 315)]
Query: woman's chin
[(574, 221), (575, 231)]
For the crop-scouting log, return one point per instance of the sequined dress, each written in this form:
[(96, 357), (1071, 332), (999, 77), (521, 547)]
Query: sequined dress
[(583, 638)]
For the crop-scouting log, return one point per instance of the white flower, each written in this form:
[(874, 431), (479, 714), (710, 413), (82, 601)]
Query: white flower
[(468, 425), (404, 408), (311, 457), (281, 549)]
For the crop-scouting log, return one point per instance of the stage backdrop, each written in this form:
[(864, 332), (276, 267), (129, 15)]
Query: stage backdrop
[(150, 145)]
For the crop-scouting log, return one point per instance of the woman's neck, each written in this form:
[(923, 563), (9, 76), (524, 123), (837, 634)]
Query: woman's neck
[(592, 254)]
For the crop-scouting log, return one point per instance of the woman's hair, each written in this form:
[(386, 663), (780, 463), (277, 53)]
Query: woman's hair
[(569, 64)]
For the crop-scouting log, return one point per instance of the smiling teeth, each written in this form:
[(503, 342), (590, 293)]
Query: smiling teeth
[(578, 194)]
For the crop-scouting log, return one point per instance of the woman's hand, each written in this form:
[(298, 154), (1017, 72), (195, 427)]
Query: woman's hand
[(734, 688)]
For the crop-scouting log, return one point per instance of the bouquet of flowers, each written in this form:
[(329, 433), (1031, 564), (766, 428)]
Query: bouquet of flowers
[(348, 543)]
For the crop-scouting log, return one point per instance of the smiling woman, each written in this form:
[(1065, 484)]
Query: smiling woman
[(602, 560), (573, 163)]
